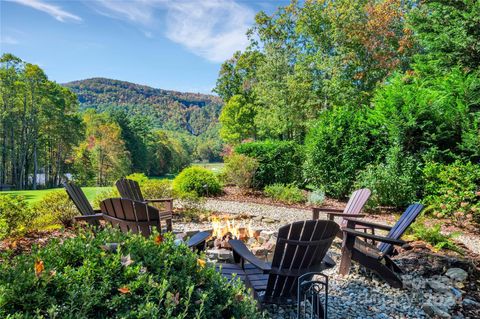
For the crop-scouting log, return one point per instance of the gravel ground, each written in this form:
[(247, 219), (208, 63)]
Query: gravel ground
[(361, 294), (284, 215)]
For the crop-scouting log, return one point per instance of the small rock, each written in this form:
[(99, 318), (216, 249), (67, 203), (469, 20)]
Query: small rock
[(457, 274), (433, 311), (470, 304), (268, 220), (439, 286), (257, 218)]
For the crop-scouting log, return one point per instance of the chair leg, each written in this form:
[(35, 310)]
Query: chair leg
[(392, 265), (347, 248), (380, 269)]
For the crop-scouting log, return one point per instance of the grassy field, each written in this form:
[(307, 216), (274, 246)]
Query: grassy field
[(33, 196)]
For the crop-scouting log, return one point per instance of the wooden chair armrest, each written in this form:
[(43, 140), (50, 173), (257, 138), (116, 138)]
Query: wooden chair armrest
[(387, 240), (239, 248), (97, 211), (198, 238), (328, 209), (159, 200), (353, 221), (346, 215), (89, 217)]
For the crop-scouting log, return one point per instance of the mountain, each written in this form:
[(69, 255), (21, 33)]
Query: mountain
[(192, 112)]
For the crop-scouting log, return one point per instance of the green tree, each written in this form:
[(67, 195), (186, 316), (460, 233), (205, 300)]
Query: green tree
[(237, 120)]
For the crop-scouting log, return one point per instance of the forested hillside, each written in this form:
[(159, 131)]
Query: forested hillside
[(116, 129), (194, 113)]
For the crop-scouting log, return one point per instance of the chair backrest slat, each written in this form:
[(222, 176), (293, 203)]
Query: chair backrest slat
[(407, 218), (79, 199), (130, 215), (356, 202), (129, 189), (300, 246)]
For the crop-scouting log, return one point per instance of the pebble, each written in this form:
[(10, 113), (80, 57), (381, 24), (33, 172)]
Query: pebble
[(360, 294)]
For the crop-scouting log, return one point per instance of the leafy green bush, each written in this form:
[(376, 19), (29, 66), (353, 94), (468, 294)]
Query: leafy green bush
[(15, 214), (240, 170), (428, 113), (157, 188), (55, 208), (197, 181), (338, 146), (140, 178), (286, 193), (144, 278), (279, 161), (395, 183), (453, 190), (434, 236)]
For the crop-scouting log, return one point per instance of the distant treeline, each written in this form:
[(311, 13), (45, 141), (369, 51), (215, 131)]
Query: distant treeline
[(44, 131)]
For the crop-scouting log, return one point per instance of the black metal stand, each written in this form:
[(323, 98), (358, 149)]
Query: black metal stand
[(309, 305)]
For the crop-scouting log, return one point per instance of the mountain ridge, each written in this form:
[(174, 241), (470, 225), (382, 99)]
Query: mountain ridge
[(192, 112)]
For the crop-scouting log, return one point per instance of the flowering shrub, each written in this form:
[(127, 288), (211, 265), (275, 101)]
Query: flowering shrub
[(83, 277), (453, 190)]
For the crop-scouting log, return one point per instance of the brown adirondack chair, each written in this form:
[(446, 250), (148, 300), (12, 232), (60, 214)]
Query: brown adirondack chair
[(301, 248), (137, 217), (354, 207), (130, 189), (376, 258), (81, 202)]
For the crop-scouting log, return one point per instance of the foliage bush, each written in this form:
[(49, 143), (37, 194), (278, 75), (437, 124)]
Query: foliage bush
[(240, 170), (429, 112), (140, 178), (157, 188), (279, 161), (434, 236), (286, 193), (453, 190), (338, 146), (144, 278), (55, 208), (395, 183), (15, 215), (196, 181)]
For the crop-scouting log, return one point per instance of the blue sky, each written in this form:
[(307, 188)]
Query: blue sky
[(166, 44)]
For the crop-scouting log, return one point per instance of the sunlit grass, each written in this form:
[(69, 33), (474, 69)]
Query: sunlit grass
[(33, 196)]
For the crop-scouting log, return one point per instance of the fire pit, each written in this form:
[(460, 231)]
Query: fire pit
[(260, 242)]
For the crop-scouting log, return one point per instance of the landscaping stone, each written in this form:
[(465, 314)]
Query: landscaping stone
[(435, 312), (457, 274)]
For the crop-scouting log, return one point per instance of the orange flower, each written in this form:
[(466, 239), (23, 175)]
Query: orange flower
[(38, 267), (158, 239), (124, 290), (201, 262)]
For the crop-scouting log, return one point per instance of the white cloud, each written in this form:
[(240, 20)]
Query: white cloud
[(53, 10), (213, 29), (8, 40)]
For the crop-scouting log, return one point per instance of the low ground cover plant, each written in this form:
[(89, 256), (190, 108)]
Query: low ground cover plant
[(196, 181), (144, 278), (434, 236), (289, 194)]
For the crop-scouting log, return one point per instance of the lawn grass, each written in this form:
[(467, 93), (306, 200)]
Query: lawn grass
[(33, 196)]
